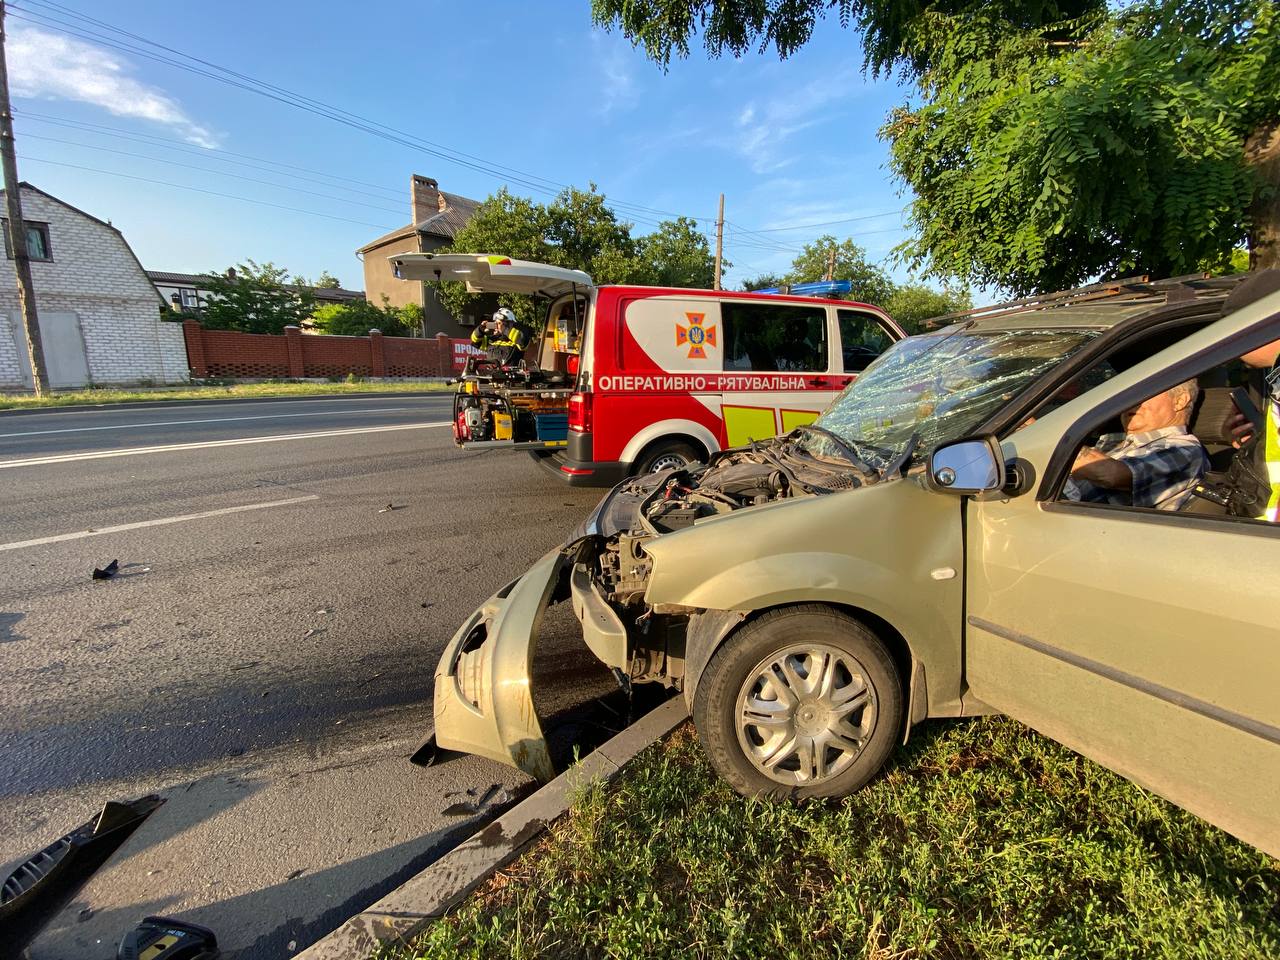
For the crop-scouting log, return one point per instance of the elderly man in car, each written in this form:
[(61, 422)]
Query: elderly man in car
[(1155, 463)]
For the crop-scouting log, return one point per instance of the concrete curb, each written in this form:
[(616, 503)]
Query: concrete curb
[(151, 404), (409, 908)]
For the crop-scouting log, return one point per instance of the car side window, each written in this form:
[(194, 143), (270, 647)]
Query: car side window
[(1173, 452), (774, 337), (862, 339)]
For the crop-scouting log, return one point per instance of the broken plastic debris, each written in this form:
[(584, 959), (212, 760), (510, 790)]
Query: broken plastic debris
[(159, 938), (495, 793), (392, 506), (107, 572)]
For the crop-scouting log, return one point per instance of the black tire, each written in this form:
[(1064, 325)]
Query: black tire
[(744, 656), (665, 454)]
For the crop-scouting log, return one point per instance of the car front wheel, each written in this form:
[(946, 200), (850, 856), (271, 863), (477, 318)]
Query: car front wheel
[(667, 455), (802, 702)]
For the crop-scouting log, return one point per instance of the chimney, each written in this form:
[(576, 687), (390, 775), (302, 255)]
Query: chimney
[(425, 194)]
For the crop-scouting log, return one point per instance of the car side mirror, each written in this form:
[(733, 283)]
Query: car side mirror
[(967, 467)]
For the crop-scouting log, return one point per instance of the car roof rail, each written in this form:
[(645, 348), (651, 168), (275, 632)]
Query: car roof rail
[(1127, 289)]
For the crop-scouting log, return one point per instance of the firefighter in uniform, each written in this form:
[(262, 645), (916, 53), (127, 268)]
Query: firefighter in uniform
[(502, 337)]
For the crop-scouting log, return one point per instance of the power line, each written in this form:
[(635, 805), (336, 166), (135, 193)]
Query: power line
[(743, 238), (210, 153), (830, 223), (76, 27), (299, 101), (217, 173), (212, 193)]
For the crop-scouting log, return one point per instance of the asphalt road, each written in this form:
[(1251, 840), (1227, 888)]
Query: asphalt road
[(289, 572)]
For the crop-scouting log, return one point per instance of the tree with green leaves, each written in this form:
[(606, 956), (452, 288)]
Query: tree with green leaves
[(911, 304), (254, 298), (763, 282), (890, 29), (677, 254), (326, 281), (870, 283), (578, 230), (1048, 143), (356, 318), (527, 230)]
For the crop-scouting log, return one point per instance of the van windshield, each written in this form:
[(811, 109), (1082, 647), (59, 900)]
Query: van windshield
[(938, 387)]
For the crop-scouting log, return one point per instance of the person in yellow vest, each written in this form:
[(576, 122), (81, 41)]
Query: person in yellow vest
[(502, 337), (1266, 454), (1254, 475)]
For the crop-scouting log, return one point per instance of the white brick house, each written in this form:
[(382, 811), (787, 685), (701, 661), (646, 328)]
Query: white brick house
[(100, 315)]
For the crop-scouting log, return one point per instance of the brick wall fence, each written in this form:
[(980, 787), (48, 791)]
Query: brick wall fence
[(227, 353)]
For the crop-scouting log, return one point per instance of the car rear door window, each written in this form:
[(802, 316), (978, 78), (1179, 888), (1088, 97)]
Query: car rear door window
[(774, 337), (862, 339)]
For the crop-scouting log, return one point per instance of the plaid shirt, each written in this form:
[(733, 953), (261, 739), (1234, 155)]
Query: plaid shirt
[(1165, 463)]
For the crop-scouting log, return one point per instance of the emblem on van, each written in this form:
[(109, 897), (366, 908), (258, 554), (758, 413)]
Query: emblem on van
[(695, 335)]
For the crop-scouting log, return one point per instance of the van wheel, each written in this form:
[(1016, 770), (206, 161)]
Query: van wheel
[(803, 702), (668, 455)]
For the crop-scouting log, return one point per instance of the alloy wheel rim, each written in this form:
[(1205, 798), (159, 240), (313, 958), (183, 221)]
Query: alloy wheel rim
[(805, 713)]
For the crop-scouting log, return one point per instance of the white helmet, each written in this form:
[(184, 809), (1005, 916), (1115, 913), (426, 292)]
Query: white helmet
[(506, 315)]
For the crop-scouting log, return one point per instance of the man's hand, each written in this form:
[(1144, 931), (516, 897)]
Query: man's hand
[(1086, 456), (1102, 471), (1240, 429)]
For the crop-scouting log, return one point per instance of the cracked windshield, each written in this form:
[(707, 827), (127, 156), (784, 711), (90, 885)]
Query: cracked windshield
[(938, 387)]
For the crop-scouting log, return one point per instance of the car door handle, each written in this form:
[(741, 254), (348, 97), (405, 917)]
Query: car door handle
[(818, 382)]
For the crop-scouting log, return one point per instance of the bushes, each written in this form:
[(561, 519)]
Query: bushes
[(358, 317)]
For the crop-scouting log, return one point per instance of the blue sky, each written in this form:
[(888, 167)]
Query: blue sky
[(532, 87)]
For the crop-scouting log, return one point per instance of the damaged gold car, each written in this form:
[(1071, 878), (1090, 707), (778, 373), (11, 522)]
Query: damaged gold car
[(916, 553)]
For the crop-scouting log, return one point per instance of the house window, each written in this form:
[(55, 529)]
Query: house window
[(190, 299), (38, 247)]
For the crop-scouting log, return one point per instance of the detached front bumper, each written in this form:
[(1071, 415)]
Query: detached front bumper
[(483, 696)]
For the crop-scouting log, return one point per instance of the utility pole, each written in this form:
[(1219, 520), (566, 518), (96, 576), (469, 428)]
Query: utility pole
[(18, 228), (831, 264), (719, 240)]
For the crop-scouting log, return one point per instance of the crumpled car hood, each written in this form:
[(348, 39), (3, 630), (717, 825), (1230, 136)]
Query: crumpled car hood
[(660, 503)]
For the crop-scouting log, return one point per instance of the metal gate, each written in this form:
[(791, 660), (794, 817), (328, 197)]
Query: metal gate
[(64, 354)]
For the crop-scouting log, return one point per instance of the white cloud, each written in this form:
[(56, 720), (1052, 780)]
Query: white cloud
[(764, 128), (49, 66), (618, 88)]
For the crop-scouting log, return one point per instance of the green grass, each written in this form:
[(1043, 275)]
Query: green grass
[(230, 391), (983, 839)]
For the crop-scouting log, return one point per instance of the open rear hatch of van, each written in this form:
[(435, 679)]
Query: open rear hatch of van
[(519, 409)]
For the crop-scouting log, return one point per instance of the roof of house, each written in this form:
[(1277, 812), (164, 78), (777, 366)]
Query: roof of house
[(329, 294), (456, 213), (24, 185)]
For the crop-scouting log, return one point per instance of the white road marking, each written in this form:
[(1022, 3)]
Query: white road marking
[(210, 444), (118, 528), (15, 414), (178, 423)]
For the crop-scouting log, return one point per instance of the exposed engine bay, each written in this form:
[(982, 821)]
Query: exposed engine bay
[(611, 543)]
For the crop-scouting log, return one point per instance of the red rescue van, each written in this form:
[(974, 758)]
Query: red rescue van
[(629, 379)]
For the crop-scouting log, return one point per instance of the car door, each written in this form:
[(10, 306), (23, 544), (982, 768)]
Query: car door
[(1146, 640), (779, 369)]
